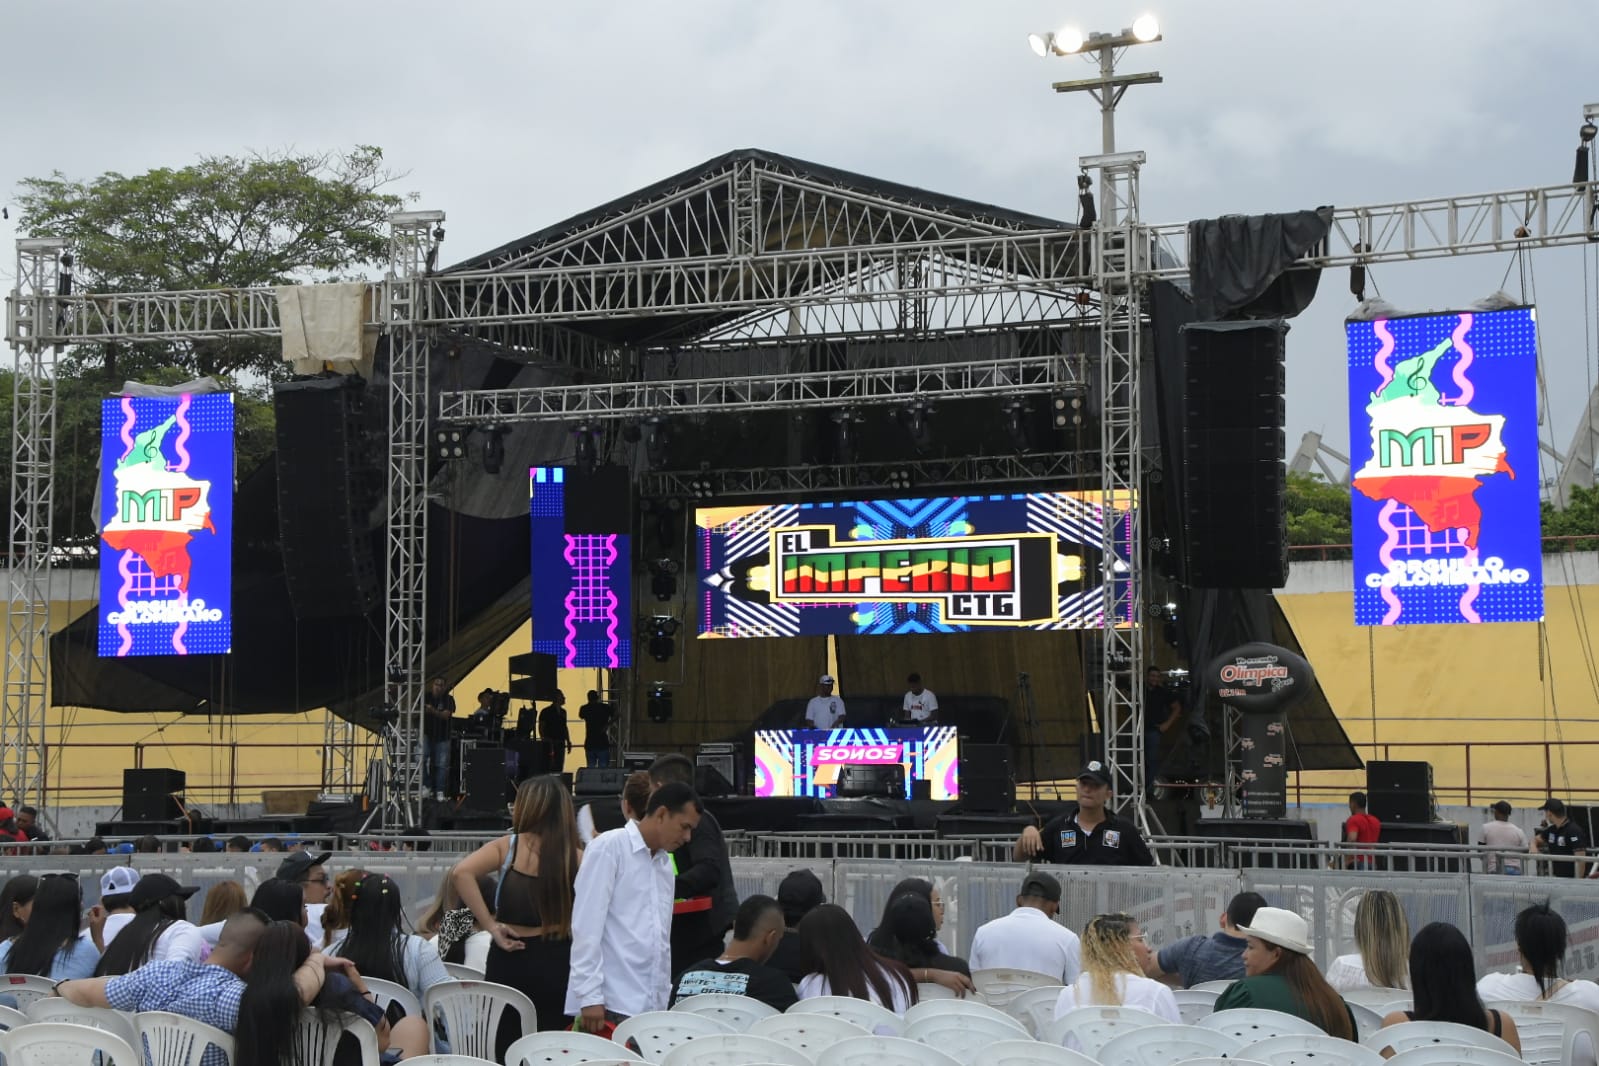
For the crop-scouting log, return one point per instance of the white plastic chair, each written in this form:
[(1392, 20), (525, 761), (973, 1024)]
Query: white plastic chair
[(11, 1017), (65, 1044), (176, 1040), (26, 988), (470, 1012), (1033, 1053), (999, 986), (810, 1033), (1194, 1003), (1367, 1020), (1250, 1025), (1407, 1035), (56, 1009), (1550, 1032), (883, 1051), (1320, 1050), (460, 971), (450, 1060), (316, 1043), (1376, 997), (1094, 1027), (735, 1049), (1165, 1045), (546, 1049), (1454, 1055), (1217, 987), (926, 990), (1035, 1008), (386, 992), (655, 1033), (1208, 1060), (961, 1008), (738, 1013), (862, 1012), (964, 1036)]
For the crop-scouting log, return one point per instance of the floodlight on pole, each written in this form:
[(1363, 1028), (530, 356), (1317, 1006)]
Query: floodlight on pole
[(1146, 28)]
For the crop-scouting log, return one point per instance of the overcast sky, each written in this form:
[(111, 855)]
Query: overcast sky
[(514, 114)]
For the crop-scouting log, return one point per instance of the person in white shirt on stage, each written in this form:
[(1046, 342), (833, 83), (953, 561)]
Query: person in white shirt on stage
[(1029, 938), (1114, 955), (622, 914), (825, 710), (1502, 833), (920, 706)]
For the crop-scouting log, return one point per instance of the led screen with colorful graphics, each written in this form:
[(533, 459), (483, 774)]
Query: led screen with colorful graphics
[(1443, 419), (582, 600), (806, 762), (947, 564), (166, 525)]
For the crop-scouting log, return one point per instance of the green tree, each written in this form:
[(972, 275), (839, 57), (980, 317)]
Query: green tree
[(223, 222), (1318, 513), (1579, 518)]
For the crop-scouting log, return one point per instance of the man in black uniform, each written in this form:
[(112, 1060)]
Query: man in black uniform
[(597, 715), (554, 738), (1559, 835), (1089, 835)]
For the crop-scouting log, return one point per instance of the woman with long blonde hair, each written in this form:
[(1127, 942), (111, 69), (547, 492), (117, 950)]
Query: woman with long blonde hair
[(1382, 947), (1114, 956), (531, 918)]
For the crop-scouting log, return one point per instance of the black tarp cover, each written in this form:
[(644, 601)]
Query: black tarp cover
[(1241, 266)]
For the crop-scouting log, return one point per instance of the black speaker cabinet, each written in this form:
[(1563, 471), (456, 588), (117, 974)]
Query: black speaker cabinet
[(152, 795), (1234, 479), (484, 778), (1400, 792), (986, 783), (871, 781), (599, 781)]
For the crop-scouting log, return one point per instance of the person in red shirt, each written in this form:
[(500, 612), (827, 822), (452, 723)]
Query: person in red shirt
[(1361, 828)]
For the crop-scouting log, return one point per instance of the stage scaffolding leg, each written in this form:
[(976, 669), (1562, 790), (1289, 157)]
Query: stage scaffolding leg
[(43, 268), (344, 755), (413, 245), (1120, 260)]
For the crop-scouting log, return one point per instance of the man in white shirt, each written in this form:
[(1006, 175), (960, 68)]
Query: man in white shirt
[(825, 709), (1029, 938), (622, 913), (1500, 833), (309, 871), (921, 706), (116, 891)]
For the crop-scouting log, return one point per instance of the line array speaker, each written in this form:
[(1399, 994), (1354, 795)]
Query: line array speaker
[(1234, 481), (328, 484), (152, 795), (1400, 791), (986, 784)]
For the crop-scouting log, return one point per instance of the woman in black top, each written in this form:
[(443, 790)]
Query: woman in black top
[(1443, 977), (910, 935), (531, 918)]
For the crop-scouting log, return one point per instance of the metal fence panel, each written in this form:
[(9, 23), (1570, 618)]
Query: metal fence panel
[(1496, 900), (1328, 900)]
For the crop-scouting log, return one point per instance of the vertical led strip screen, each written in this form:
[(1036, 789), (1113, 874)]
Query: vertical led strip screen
[(166, 525), (1443, 424), (947, 564), (582, 601)]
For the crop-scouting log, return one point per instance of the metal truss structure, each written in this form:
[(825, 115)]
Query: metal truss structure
[(1031, 469), (747, 253)]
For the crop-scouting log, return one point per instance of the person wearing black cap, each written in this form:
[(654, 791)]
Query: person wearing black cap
[(307, 869), (1559, 835), (159, 931), (1029, 938), (1504, 836), (798, 894), (1090, 835)]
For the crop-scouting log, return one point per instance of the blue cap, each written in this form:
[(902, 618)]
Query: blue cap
[(124, 848), (256, 846)]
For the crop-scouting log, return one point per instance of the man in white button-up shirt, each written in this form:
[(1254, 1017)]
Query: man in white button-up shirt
[(1028, 938), (622, 913)]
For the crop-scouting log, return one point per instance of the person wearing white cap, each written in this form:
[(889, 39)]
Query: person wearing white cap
[(825, 711), (116, 901), (1279, 974)]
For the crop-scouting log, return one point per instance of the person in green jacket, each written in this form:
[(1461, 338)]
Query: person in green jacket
[(1279, 974)]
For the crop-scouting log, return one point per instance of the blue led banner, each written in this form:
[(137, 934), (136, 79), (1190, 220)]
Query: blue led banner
[(1443, 426), (166, 525), (582, 605)]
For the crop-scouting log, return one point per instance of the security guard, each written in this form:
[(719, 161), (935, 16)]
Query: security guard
[(1089, 835)]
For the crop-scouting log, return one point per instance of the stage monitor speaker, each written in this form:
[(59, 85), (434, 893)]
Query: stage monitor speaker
[(727, 760), (710, 781), (986, 784), (1234, 480), (532, 677), (1400, 791), (638, 760), (483, 779), (328, 485), (152, 795), (599, 781), (871, 781)]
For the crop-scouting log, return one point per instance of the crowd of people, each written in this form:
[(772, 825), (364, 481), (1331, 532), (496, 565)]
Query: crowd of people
[(597, 926)]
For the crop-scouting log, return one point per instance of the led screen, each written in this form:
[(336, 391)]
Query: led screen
[(1443, 421), (947, 564), (806, 762), (166, 525), (582, 602)]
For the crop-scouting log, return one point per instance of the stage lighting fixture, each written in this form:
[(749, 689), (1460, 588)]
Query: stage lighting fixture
[(1146, 28), (1016, 425), (659, 705), (663, 627), (631, 433), (449, 442), (494, 450), (1061, 407), (1087, 215), (899, 479), (663, 578), (583, 441), (703, 484), (1066, 40), (844, 435), (918, 424), (1040, 43)]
